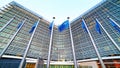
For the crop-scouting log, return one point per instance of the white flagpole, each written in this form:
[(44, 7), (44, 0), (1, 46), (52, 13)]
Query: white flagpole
[(73, 48), (94, 45), (7, 24), (114, 22), (50, 46), (8, 44), (109, 36), (28, 46)]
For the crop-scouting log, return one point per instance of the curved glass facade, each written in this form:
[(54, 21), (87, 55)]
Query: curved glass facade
[(84, 48), (13, 13), (40, 43), (61, 46)]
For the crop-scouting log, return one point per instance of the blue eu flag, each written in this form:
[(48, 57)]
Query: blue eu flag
[(19, 25), (112, 22), (50, 26), (83, 26), (97, 27), (63, 26), (33, 27)]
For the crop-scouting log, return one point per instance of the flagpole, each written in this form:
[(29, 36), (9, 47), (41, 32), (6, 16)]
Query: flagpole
[(50, 46), (94, 45), (36, 65), (7, 24), (28, 46), (72, 43), (114, 22), (8, 44), (109, 36)]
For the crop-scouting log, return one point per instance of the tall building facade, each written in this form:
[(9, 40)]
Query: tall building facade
[(107, 49), (107, 43), (108, 9), (14, 14)]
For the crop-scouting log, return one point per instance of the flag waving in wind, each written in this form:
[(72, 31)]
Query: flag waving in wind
[(19, 25), (63, 26), (51, 25), (33, 27), (83, 25), (97, 26), (112, 22)]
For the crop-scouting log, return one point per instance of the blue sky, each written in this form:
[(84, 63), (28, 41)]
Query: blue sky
[(60, 9)]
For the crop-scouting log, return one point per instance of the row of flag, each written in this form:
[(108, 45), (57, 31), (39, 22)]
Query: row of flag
[(65, 25), (32, 28), (98, 28), (62, 27)]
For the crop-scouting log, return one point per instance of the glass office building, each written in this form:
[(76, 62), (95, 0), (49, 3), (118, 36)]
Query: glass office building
[(91, 47), (107, 47)]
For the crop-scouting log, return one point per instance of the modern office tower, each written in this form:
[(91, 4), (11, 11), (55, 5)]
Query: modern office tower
[(95, 34), (108, 42), (12, 16)]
